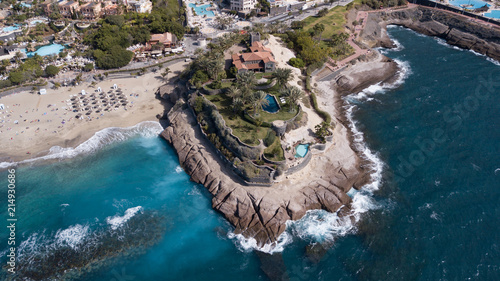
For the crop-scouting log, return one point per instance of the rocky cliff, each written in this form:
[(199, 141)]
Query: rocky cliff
[(261, 212), (455, 29)]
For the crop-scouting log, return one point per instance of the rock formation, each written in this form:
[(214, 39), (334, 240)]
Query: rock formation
[(455, 29), (261, 212)]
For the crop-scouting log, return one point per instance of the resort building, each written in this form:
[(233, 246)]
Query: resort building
[(259, 59), (111, 9), (91, 11), (67, 9), (139, 6), (161, 41), (9, 52), (276, 3), (243, 5)]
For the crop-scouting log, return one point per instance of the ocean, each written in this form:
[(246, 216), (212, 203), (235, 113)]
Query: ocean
[(119, 207)]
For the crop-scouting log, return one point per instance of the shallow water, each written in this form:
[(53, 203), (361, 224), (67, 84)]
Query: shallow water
[(433, 214)]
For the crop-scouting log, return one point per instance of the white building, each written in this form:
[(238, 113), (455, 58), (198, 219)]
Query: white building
[(243, 5), (140, 6)]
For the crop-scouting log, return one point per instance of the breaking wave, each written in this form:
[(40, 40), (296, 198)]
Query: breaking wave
[(74, 251), (100, 139)]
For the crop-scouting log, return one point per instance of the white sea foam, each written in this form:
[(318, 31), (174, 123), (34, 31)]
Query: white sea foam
[(116, 221), (72, 236), (250, 244), (178, 169), (97, 141)]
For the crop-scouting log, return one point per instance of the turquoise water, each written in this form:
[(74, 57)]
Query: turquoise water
[(493, 14), (432, 216), (475, 3), (35, 22), (273, 106), (47, 50), (301, 150), (202, 10), (11, 28)]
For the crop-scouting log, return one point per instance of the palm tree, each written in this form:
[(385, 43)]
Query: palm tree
[(233, 92), (259, 100), (318, 29), (237, 105), (245, 82), (293, 95), (165, 72), (282, 76)]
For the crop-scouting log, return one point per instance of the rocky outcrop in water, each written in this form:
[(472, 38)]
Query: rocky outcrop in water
[(256, 211), (457, 30)]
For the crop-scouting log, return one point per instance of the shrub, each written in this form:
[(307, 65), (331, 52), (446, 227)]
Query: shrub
[(270, 138), (51, 70), (297, 62)]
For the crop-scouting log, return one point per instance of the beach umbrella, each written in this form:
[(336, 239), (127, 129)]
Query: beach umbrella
[(78, 116), (88, 113)]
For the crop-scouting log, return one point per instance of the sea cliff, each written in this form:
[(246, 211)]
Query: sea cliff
[(456, 29), (259, 212)]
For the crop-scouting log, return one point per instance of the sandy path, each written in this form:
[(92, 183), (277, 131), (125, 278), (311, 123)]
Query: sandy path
[(31, 124), (282, 56)]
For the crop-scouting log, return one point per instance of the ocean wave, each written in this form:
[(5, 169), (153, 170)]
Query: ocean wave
[(249, 244), (100, 139), (117, 221), (70, 252), (72, 236)]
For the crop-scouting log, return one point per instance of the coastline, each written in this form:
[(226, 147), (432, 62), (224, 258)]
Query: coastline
[(260, 214), (456, 30), (34, 124)]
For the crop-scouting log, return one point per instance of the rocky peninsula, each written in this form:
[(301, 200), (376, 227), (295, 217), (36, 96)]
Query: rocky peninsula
[(261, 212)]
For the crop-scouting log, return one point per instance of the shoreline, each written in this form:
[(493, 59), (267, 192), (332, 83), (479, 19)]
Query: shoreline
[(455, 29), (260, 214), (32, 125)]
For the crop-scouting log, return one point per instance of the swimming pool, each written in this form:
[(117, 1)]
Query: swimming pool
[(493, 14), (52, 49), (474, 3), (11, 28), (273, 106), (35, 22), (202, 10), (301, 150)]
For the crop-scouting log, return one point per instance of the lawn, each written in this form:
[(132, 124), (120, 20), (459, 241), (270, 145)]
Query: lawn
[(246, 131), (334, 21), (274, 152)]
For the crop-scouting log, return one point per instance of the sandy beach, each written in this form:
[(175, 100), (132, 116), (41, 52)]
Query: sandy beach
[(30, 124)]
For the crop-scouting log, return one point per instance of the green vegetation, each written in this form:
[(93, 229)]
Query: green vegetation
[(297, 62), (29, 70), (117, 32), (274, 152), (322, 130), (333, 21), (378, 4), (51, 70)]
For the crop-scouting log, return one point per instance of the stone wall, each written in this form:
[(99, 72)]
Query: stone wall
[(301, 165)]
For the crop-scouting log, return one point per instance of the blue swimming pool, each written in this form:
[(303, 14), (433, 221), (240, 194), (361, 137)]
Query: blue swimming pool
[(474, 3), (47, 50), (301, 150), (202, 10), (493, 14), (273, 106), (11, 28), (35, 22)]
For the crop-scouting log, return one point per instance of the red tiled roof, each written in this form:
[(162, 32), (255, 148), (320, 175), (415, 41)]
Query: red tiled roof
[(259, 53)]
